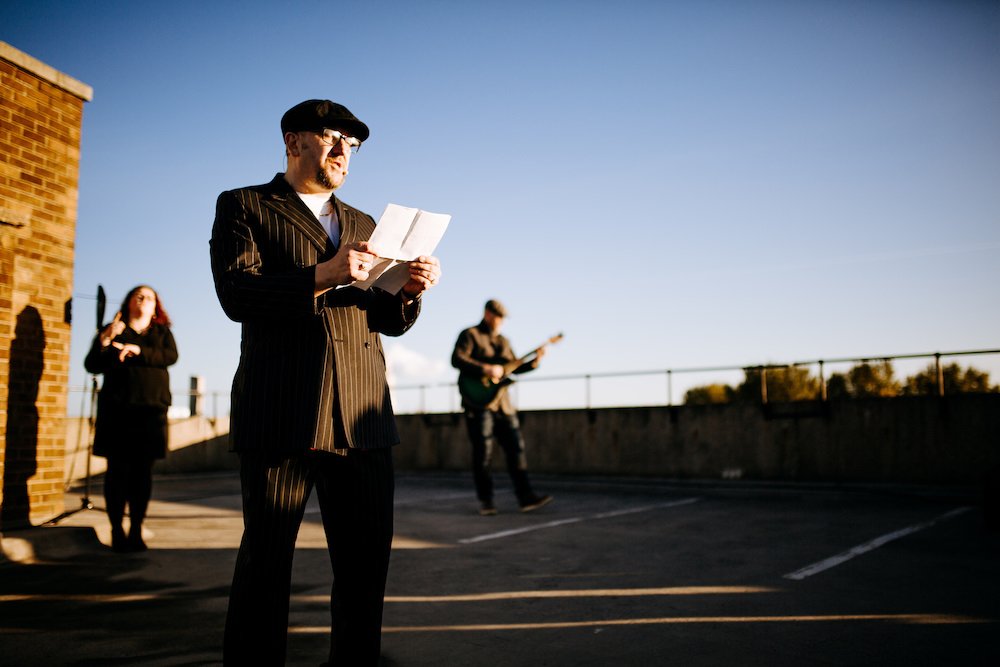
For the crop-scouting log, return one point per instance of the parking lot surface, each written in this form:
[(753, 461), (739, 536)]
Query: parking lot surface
[(613, 572)]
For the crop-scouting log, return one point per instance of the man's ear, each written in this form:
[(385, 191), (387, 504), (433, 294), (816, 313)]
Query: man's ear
[(292, 143)]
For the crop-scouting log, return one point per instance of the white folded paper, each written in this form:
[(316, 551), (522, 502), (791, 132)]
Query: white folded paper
[(401, 235)]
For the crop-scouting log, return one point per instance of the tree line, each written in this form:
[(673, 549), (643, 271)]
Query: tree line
[(863, 380)]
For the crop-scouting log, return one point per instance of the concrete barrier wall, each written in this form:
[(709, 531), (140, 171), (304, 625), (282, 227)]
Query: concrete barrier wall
[(917, 440), (951, 440), (195, 444)]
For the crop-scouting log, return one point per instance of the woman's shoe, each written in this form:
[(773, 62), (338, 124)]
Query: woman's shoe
[(119, 543), (135, 542)]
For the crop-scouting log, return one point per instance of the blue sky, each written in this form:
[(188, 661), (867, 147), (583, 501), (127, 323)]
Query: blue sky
[(671, 184)]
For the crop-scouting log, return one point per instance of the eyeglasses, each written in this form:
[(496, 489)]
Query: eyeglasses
[(334, 137)]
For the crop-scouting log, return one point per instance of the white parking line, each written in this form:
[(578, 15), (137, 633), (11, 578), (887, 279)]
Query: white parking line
[(434, 499), (833, 561), (313, 508), (563, 522)]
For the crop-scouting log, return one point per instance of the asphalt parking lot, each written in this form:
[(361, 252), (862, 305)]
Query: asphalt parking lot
[(614, 572)]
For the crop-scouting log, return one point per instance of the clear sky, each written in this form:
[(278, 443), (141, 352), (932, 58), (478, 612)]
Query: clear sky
[(671, 184)]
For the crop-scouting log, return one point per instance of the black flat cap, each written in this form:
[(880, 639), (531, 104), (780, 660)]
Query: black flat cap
[(317, 115), (496, 308)]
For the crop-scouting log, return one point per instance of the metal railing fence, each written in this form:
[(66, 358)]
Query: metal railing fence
[(193, 402), (669, 373), (195, 396)]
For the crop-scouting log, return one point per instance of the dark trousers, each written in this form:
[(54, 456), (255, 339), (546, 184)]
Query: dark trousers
[(128, 481), (355, 495), (487, 428)]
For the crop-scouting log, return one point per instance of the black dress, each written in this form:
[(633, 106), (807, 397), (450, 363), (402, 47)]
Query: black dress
[(132, 405)]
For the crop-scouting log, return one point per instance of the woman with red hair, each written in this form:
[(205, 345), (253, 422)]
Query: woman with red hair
[(133, 353)]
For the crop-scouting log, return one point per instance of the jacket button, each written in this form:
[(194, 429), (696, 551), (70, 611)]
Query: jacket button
[(367, 344)]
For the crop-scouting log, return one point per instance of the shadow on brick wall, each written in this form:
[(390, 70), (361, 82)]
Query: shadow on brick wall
[(27, 359)]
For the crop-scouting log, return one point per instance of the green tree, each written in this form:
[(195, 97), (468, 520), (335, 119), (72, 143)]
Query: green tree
[(788, 383), (956, 381), (709, 393), (864, 380), (837, 386)]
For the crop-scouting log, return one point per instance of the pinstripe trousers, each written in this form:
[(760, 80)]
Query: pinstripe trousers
[(355, 494)]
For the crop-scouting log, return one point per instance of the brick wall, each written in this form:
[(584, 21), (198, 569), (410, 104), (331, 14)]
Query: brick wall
[(41, 111)]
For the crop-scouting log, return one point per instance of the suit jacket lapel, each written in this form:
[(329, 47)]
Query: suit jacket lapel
[(283, 200), (348, 225), (354, 225)]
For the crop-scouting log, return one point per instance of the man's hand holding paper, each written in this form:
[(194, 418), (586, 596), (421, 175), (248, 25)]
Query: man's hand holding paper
[(404, 240), (353, 262), (425, 272)]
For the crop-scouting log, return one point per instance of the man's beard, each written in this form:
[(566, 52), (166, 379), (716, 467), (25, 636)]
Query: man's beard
[(324, 180)]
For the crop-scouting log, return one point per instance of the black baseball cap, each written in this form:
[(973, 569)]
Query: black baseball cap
[(317, 115)]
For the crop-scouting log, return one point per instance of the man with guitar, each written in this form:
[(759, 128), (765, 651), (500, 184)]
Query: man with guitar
[(485, 362)]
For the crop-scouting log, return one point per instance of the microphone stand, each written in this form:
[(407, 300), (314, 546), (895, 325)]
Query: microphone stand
[(85, 502), (92, 422)]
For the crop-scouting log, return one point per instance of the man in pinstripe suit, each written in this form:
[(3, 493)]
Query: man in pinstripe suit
[(310, 404)]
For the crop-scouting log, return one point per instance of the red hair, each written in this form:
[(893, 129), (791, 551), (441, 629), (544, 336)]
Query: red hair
[(159, 315)]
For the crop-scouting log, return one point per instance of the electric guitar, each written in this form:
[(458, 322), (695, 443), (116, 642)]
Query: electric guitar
[(486, 392)]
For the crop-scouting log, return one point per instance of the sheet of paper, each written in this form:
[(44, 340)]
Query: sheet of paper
[(424, 235), (391, 230), (401, 235), (394, 277)]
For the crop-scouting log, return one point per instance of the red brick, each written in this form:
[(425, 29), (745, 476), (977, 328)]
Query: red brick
[(39, 161)]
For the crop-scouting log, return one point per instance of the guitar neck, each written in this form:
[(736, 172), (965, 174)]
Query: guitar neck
[(512, 366)]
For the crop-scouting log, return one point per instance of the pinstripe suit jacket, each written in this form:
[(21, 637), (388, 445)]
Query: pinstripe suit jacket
[(312, 370)]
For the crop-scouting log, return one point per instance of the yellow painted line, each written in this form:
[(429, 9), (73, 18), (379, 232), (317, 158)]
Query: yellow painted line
[(470, 597), (920, 619), (96, 597), (585, 593), (580, 593)]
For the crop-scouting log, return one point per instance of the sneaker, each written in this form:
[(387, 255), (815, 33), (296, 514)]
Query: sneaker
[(487, 509), (535, 502)]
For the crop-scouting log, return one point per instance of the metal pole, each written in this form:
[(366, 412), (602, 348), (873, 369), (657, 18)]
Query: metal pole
[(940, 373), (822, 382), (92, 424), (670, 388), (195, 400), (763, 385), (587, 377)]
